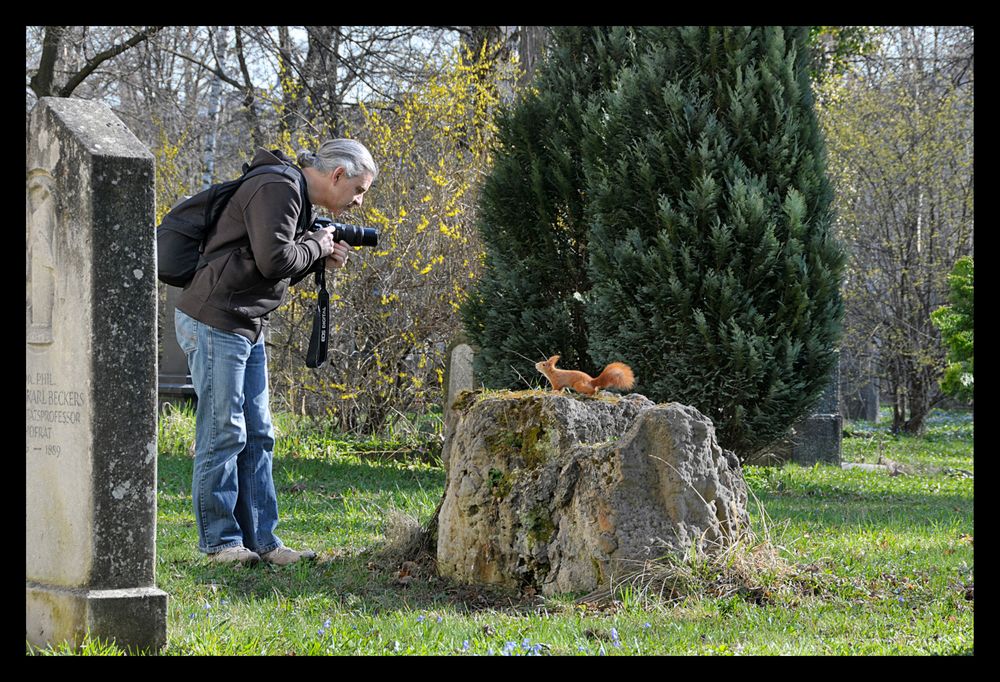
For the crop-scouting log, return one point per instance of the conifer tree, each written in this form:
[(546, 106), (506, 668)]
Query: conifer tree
[(715, 270), (528, 304)]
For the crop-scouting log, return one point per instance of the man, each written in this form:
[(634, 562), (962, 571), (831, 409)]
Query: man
[(221, 321)]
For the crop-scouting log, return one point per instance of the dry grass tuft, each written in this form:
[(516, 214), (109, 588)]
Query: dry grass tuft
[(750, 566)]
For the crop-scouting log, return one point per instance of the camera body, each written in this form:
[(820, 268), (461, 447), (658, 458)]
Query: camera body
[(352, 234)]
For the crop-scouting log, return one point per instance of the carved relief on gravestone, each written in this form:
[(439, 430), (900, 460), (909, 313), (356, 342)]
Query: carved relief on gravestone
[(41, 260)]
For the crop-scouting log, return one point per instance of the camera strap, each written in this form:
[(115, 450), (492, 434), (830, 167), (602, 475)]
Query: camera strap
[(320, 336)]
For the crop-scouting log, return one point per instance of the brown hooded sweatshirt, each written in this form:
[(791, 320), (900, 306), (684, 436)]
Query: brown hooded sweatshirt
[(236, 291)]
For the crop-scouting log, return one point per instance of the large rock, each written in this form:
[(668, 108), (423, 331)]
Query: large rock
[(561, 493)]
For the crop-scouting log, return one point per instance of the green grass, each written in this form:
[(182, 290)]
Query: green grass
[(878, 564)]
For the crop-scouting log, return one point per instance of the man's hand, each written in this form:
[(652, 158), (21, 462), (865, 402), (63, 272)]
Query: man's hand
[(336, 253), (338, 258)]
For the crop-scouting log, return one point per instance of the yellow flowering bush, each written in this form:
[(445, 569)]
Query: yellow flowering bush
[(394, 307)]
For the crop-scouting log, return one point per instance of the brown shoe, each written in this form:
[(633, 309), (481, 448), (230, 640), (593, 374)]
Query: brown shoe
[(282, 556), (235, 555)]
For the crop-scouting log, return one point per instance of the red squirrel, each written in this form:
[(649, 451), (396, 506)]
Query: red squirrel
[(615, 375)]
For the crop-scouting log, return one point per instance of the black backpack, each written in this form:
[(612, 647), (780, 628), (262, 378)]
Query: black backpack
[(180, 238)]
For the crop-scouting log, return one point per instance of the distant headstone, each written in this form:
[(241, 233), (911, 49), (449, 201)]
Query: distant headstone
[(174, 381), (817, 438), (859, 386), (461, 377), (459, 373), (90, 381)]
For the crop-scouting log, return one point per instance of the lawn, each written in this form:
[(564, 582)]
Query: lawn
[(871, 563)]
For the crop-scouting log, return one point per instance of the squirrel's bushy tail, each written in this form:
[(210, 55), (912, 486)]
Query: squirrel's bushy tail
[(615, 375)]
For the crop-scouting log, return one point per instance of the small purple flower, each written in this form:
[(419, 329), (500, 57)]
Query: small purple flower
[(440, 619), (465, 645), (420, 619), (646, 626), (326, 626)]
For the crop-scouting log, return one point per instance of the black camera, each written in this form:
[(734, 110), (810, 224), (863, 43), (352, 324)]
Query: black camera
[(352, 234)]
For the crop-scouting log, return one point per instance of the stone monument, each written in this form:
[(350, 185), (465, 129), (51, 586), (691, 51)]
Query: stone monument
[(459, 374), (175, 385), (818, 437), (815, 439), (90, 381)]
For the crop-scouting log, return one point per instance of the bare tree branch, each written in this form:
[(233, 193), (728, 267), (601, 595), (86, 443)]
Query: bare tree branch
[(215, 70), (99, 59)]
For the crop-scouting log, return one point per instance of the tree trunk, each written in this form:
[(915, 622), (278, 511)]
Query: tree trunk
[(288, 78), (214, 102), (530, 48), (42, 81), (249, 98), (319, 73)]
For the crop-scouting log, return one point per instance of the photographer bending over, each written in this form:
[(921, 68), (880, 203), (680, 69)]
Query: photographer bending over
[(221, 321)]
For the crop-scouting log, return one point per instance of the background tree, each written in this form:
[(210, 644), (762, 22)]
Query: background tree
[(900, 137), (715, 269), (957, 328), (528, 304), (836, 50)]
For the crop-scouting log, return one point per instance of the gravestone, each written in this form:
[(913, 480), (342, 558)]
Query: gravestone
[(90, 381), (175, 385), (459, 374), (818, 437), (815, 439)]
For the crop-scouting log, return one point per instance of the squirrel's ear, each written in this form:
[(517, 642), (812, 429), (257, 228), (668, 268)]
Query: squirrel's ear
[(554, 359)]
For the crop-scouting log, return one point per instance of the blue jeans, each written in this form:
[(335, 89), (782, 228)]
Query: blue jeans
[(232, 489)]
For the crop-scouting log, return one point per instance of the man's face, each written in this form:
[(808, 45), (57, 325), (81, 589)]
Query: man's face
[(346, 193)]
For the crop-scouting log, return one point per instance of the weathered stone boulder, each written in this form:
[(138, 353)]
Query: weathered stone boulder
[(562, 493)]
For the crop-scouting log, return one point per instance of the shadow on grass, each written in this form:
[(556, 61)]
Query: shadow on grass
[(347, 584), (316, 500), (303, 475), (883, 504)]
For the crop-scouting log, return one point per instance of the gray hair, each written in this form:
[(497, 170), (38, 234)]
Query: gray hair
[(351, 154)]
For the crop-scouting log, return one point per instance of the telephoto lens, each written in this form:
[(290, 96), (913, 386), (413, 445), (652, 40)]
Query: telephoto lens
[(352, 234)]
